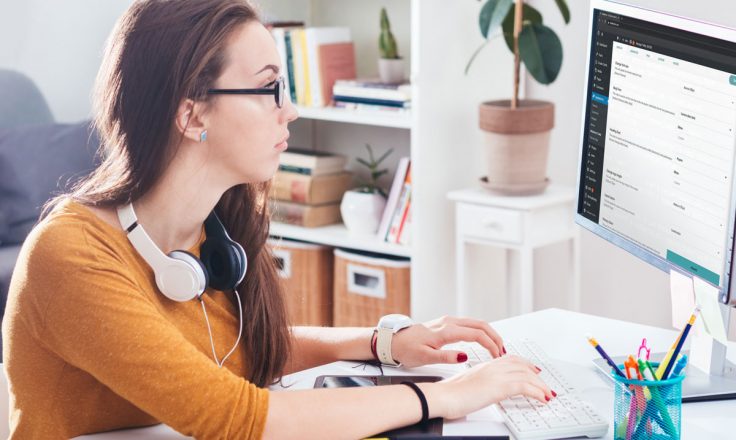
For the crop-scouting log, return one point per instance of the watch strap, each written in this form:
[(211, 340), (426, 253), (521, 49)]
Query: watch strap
[(383, 346)]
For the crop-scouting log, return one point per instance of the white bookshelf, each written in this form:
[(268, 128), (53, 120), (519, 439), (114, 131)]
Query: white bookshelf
[(339, 236), (378, 118), (440, 133)]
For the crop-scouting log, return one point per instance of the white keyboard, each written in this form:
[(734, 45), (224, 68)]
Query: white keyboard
[(567, 415)]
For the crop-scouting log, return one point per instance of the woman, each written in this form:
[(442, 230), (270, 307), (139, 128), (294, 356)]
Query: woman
[(93, 340)]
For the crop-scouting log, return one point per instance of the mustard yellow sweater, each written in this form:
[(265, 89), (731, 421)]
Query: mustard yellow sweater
[(91, 345)]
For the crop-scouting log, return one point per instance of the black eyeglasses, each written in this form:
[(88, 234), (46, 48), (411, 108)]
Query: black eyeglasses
[(277, 90)]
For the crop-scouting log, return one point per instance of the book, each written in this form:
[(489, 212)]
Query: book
[(372, 101), (311, 190), (314, 38), (373, 90), (312, 159), (399, 213), (298, 63), (289, 66), (302, 41), (336, 61), (393, 197), (405, 233), (370, 107), (309, 216)]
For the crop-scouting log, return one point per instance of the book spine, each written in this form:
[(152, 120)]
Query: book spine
[(384, 102), (393, 197), (305, 67), (405, 234), (320, 190), (393, 231), (370, 93), (295, 169), (290, 65), (404, 217)]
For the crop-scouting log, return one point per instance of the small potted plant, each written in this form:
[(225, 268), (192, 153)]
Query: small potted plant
[(362, 207), (517, 131), (390, 64)]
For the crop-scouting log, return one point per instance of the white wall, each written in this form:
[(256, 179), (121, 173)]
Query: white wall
[(59, 45), (613, 283)]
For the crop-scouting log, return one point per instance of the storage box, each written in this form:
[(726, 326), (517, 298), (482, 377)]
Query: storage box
[(368, 286), (306, 272)]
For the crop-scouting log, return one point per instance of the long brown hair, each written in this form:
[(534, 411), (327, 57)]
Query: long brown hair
[(163, 51)]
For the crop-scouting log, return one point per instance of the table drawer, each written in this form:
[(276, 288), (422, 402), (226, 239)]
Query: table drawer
[(490, 223)]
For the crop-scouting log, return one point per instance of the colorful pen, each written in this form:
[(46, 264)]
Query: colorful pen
[(608, 359), (657, 399), (685, 331), (667, 357)]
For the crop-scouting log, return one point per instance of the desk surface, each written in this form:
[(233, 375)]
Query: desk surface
[(561, 334)]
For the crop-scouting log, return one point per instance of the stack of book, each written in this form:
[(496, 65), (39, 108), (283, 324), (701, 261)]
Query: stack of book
[(308, 187), (395, 224), (313, 58), (372, 94)]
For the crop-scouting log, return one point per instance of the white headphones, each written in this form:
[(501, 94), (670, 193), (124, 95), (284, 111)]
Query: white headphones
[(181, 276)]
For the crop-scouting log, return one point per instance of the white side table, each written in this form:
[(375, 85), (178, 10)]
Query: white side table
[(519, 225)]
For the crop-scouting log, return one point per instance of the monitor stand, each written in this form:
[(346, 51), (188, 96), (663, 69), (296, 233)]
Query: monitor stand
[(698, 386)]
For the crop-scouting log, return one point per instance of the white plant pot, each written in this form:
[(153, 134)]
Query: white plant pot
[(362, 212), (391, 70)]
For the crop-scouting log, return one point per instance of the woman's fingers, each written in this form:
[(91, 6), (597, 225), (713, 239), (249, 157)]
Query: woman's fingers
[(528, 384), (454, 333), (483, 327)]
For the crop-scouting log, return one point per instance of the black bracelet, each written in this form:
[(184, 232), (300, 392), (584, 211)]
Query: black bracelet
[(422, 399)]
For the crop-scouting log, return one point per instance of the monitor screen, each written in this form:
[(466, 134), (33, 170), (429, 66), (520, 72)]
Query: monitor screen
[(656, 168)]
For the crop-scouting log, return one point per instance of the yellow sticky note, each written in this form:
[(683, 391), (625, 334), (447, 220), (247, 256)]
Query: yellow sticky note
[(706, 296), (683, 299)]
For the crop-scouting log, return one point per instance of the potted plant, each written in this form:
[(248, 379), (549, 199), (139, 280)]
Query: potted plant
[(390, 64), (517, 131), (361, 208)]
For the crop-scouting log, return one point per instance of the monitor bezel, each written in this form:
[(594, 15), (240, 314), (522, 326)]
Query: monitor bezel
[(726, 290)]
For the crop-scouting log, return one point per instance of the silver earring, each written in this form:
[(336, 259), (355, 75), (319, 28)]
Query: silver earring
[(203, 136)]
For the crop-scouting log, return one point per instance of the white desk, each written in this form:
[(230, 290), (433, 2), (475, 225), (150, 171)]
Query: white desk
[(519, 225), (561, 333)]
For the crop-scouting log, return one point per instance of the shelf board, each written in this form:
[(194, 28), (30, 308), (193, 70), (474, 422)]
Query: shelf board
[(338, 236), (380, 118)]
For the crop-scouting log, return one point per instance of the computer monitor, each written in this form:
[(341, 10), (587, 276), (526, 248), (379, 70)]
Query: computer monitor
[(656, 169)]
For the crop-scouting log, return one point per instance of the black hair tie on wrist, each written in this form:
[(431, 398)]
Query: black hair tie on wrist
[(422, 399)]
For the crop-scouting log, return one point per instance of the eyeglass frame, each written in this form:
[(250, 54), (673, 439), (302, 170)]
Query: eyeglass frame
[(278, 91)]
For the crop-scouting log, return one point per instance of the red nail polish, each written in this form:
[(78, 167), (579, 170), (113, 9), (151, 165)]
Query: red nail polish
[(538, 369), (462, 357), (504, 350), (554, 394), (546, 398)]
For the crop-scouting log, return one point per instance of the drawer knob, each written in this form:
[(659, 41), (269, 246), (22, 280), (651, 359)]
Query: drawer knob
[(492, 224)]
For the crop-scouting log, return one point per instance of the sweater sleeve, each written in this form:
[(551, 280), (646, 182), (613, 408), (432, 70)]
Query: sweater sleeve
[(92, 313)]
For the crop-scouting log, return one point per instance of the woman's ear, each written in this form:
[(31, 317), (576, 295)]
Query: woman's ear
[(190, 120)]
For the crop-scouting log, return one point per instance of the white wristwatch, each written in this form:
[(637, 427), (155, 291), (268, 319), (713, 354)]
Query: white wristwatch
[(387, 327)]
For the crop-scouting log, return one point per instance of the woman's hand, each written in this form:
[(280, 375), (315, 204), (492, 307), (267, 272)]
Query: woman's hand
[(485, 384), (420, 344)]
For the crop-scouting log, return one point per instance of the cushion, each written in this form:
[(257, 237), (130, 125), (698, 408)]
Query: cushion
[(37, 162)]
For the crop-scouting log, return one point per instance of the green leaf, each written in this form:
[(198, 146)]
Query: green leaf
[(541, 52), (364, 162), (528, 15), (564, 10), (384, 156), (492, 14)]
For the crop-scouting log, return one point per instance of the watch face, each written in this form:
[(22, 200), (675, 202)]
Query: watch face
[(395, 321)]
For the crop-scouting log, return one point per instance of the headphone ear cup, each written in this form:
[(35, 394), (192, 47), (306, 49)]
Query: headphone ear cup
[(223, 262), (184, 278)]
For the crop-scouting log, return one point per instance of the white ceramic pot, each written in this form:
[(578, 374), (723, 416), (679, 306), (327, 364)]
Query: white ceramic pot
[(362, 212), (391, 70)]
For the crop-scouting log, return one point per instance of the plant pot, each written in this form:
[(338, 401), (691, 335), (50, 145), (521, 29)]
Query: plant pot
[(391, 70), (361, 212), (516, 145)]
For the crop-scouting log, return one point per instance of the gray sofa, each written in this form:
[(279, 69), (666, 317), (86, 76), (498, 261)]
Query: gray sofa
[(38, 158)]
